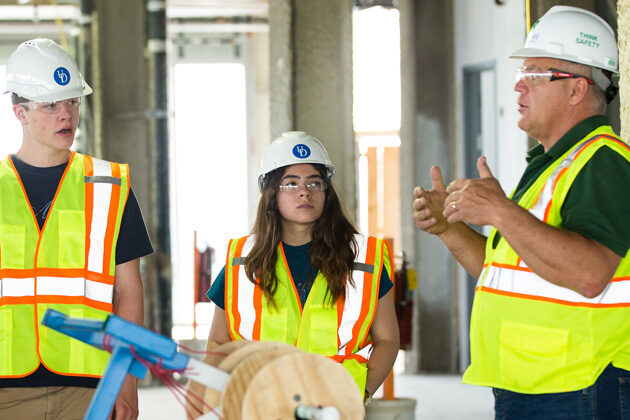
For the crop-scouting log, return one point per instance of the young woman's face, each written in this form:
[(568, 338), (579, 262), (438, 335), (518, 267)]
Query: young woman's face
[(301, 195)]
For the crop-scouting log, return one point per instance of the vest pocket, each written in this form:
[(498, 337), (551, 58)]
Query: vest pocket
[(358, 371), (71, 239), (273, 326), (6, 332), (322, 331), (12, 245), (532, 357)]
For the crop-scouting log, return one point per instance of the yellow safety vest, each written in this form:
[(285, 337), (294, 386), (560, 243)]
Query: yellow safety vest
[(68, 265), (339, 330), (531, 336)]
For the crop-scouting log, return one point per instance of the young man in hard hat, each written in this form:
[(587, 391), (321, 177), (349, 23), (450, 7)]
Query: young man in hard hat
[(550, 327), (71, 238)]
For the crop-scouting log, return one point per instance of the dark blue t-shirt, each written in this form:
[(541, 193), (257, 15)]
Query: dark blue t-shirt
[(133, 242), (302, 271)]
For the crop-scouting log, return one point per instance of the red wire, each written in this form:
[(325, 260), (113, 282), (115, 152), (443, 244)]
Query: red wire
[(189, 350), (107, 342), (177, 389)]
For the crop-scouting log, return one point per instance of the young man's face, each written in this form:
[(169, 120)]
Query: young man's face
[(49, 131)]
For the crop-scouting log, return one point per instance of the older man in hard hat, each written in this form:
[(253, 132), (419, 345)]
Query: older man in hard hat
[(550, 326), (71, 238)]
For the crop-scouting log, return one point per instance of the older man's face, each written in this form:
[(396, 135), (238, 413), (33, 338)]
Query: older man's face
[(541, 102)]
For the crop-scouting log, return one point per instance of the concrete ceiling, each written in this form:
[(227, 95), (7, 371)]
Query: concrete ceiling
[(223, 7), (18, 16)]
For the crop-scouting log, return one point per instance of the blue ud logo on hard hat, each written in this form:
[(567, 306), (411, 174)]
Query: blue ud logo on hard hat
[(301, 151), (62, 76)]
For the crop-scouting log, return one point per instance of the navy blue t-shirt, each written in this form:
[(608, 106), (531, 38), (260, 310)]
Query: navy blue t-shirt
[(302, 271), (133, 242)]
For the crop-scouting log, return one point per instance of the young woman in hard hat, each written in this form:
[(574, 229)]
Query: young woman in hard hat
[(305, 276)]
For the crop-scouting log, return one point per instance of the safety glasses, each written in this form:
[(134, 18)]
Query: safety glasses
[(535, 78), (53, 107), (313, 185)]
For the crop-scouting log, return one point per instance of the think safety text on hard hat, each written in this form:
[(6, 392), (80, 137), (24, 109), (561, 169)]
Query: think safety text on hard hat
[(572, 34)]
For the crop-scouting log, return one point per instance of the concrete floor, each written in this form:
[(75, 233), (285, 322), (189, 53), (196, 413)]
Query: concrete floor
[(438, 397)]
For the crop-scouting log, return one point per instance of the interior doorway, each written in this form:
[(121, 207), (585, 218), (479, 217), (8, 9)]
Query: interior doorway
[(210, 166), (480, 138), (376, 56)]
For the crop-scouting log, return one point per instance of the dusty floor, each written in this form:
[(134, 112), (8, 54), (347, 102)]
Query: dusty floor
[(438, 397)]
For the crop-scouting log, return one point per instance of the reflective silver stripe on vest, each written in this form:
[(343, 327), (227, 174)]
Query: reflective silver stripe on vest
[(354, 299), (368, 268), (528, 283), (245, 295), (352, 305), (239, 261), (539, 208), (366, 351), (100, 213), (357, 266), (57, 286), (102, 180), (10, 287)]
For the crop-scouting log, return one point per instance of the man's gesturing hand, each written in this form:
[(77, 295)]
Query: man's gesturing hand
[(474, 200), (428, 206)]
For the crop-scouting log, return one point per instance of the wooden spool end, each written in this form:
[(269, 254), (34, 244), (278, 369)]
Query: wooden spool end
[(283, 383), (241, 377), (210, 396)]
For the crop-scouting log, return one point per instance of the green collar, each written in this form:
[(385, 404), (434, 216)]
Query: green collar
[(570, 138)]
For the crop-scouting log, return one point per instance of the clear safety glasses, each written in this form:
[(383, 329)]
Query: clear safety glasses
[(534, 78), (313, 185), (53, 107)]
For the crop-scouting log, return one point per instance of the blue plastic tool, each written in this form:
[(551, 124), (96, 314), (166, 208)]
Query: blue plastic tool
[(121, 337)]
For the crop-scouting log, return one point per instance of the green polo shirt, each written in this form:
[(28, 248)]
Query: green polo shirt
[(598, 203)]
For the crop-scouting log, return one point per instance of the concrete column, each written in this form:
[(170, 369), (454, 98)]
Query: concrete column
[(311, 80), (539, 7), (281, 94), (408, 171), (120, 100), (428, 138)]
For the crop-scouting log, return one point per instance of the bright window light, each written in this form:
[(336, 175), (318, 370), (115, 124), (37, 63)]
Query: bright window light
[(376, 78), (376, 70), (210, 173)]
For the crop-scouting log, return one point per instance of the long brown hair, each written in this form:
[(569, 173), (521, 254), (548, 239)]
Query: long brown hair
[(333, 247)]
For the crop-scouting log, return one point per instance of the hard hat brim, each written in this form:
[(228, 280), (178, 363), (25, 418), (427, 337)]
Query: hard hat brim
[(538, 53), (75, 93)]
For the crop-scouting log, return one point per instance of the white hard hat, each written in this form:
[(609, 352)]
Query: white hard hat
[(572, 34), (40, 70), (291, 148)]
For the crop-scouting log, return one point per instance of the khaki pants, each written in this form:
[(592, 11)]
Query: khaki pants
[(45, 403)]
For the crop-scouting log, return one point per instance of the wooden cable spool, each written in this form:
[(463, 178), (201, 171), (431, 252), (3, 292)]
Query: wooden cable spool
[(217, 353), (269, 380), (241, 378), (276, 390)]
